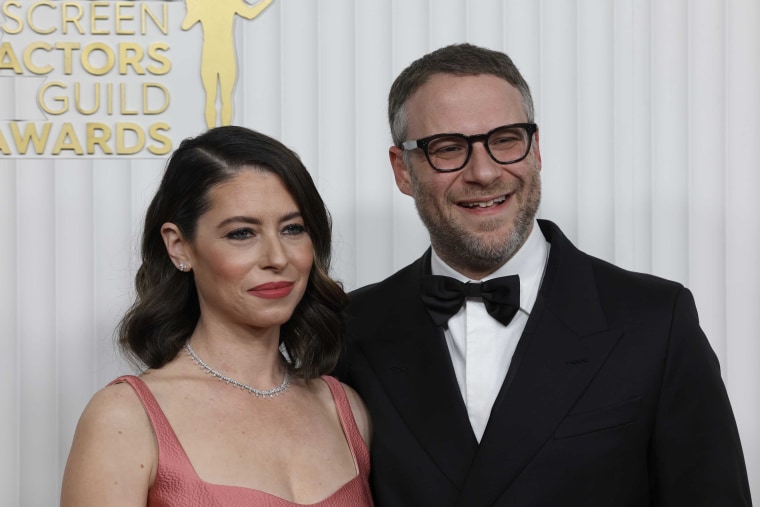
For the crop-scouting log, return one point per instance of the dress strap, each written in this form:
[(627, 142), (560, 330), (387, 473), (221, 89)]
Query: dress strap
[(155, 414), (350, 429), (170, 451)]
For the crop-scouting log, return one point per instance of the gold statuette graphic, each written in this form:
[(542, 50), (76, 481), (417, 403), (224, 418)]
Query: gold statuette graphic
[(218, 61)]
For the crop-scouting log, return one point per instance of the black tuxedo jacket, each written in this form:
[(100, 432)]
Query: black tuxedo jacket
[(613, 398)]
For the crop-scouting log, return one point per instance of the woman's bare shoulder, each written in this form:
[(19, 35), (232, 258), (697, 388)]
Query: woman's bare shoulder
[(113, 455)]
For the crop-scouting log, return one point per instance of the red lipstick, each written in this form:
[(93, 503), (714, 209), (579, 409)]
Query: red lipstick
[(272, 290)]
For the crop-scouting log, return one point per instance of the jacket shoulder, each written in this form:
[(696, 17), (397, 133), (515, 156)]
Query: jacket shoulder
[(376, 301)]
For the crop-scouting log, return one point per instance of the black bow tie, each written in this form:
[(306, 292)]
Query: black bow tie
[(444, 296)]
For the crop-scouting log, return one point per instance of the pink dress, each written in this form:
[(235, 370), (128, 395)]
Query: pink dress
[(177, 484)]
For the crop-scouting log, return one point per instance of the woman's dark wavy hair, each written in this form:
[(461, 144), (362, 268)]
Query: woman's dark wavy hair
[(166, 309)]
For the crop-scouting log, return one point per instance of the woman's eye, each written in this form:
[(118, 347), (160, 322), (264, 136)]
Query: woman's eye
[(294, 229), (239, 234)]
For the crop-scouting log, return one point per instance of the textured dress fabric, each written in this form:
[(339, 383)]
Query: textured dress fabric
[(177, 484)]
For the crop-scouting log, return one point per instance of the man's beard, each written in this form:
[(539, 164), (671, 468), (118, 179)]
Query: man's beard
[(468, 251)]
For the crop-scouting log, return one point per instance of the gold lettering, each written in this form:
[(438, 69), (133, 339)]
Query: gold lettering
[(68, 57), (146, 13), (8, 58), (123, 94), (67, 140), (121, 144), (30, 134), (30, 13), (109, 100), (94, 17), (154, 52), (4, 145), (8, 14), (146, 102), (91, 48), (31, 48), (98, 134), (155, 133), (130, 55), (78, 99), (66, 19), (62, 99), (123, 17)]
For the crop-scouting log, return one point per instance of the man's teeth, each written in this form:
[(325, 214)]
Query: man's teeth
[(486, 204)]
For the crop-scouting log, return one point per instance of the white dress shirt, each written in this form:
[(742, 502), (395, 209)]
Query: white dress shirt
[(481, 347)]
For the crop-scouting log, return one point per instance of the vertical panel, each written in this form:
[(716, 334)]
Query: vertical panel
[(374, 179), (336, 124), (410, 31), (145, 176), (410, 39), (642, 136), (624, 107), (260, 71), (632, 124), (559, 123), (706, 153), (300, 95), (485, 23), (669, 140), (743, 224), (596, 183), (521, 39), (111, 273), (9, 309), (448, 22), (38, 434), (75, 315)]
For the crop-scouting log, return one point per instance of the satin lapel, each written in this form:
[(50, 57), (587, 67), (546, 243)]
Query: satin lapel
[(413, 364), (564, 344)]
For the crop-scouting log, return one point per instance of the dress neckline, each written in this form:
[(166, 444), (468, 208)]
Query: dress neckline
[(333, 384)]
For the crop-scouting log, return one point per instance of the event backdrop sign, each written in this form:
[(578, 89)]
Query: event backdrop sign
[(107, 79), (649, 116)]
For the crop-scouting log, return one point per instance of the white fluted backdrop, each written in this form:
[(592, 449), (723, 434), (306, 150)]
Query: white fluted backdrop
[(649, 115)]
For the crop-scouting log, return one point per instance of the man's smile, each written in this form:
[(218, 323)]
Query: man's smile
[(484, 204)]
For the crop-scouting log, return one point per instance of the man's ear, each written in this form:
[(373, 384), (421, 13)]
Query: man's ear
[(400, 170), (176, 246), (537, 148)]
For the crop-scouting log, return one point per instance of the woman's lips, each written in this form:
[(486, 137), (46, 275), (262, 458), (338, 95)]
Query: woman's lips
[(272, 290)]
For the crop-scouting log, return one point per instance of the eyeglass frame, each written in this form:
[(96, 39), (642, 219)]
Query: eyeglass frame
[(422, 143)]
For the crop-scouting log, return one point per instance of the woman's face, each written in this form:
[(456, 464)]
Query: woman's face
[(252, 255)]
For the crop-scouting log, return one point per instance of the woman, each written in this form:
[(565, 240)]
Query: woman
[(233, 286)]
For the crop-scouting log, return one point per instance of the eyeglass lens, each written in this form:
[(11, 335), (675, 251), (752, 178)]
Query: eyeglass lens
[(451, 152)]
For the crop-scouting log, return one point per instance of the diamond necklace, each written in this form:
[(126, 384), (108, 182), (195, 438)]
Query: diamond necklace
[(259, 393)]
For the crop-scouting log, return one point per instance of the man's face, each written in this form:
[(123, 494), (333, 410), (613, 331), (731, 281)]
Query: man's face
[(480, 216)]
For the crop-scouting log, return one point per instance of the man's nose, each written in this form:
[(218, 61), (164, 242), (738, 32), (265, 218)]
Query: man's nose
[(481, 169)]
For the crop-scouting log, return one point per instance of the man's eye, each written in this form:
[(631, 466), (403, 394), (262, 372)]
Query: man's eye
[(447, 150), (505, 139)]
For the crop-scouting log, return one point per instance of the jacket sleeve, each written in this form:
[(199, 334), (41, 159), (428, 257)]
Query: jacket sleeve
[(696, 456)]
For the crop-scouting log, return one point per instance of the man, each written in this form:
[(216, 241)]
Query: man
[(590, 385)]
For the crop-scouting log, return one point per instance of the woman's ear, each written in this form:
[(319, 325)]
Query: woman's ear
[(176, 246)]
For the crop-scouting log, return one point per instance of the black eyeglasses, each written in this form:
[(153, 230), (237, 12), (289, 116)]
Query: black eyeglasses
[(451, 152)]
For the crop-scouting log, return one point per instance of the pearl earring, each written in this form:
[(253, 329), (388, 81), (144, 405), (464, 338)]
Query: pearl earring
[(182, 267)]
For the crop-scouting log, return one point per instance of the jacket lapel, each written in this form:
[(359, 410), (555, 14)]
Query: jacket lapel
[(413, 364), (564, 344)]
